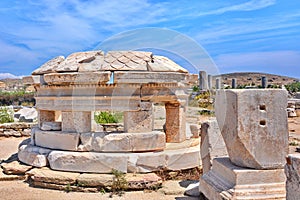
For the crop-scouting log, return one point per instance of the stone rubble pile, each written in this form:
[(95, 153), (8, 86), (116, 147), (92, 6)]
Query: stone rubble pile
[(16, 129)]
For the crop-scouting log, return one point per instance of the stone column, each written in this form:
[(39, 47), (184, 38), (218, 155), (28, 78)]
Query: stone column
[(203, 81), (45, 116), (264, 82), (79, 122), (139, 121), (209, 81), (233, 83), (175, 123), (218, 84)]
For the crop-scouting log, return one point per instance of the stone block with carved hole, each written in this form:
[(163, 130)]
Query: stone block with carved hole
[(254, 126)]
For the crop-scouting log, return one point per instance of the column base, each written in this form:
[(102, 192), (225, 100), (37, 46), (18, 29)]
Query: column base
[(227, 181)]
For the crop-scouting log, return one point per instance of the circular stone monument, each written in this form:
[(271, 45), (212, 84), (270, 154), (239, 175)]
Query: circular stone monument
[(69, 91)]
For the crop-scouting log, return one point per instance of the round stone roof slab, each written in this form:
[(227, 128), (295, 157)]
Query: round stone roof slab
[(50, 66), (74, 61), (126, 61), (93, 61), (164, 64)]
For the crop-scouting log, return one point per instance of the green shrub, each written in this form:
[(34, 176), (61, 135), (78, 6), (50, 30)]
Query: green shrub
[(5, 116), (105, 117), (16, 98), (195, 88), (120, 183), (204, 100), (293, 87)]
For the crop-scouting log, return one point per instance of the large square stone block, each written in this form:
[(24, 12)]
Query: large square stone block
[(253, 123)]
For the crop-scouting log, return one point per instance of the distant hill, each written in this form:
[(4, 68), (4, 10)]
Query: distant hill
[(12, 84), (254, 78)]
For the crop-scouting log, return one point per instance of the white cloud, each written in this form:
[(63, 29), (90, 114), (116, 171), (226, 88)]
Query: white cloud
[(247, 6)]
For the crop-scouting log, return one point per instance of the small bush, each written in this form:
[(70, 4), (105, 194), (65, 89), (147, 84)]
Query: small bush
[(19, 97), (120, 183), (107, 117), (5, 116), (293, 87), (204, 100)]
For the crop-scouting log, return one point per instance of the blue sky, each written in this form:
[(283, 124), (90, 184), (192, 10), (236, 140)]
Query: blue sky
[(239, 35)]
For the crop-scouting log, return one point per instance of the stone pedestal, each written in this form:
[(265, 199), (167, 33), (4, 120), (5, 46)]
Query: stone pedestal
[(175, 123), (139, 121), (228, 181), (79, 122)]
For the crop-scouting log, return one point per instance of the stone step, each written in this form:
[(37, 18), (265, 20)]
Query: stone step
[(87, 182)]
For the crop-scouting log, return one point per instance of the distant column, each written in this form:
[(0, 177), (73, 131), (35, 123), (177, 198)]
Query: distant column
[(203, 81), (218, 83), (209, 81), (264, 82), (233, 83)]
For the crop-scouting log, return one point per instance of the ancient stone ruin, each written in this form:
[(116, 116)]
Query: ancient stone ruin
[(254, 126), (68, 92)]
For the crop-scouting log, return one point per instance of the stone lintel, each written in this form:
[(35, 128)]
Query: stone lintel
[(92, 103), (35, 80), (77, 78), (149, 77)]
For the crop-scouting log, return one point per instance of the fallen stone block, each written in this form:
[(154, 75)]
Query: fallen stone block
[(51, 126), (15, 168), (34, 156), (47, 175)]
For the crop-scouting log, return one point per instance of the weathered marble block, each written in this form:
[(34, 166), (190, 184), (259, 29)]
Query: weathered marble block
[(79, 122), (254, 126), (57, 140), (139, 121), (292, 171), (45, 116), (227, 181), (212, 144)]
